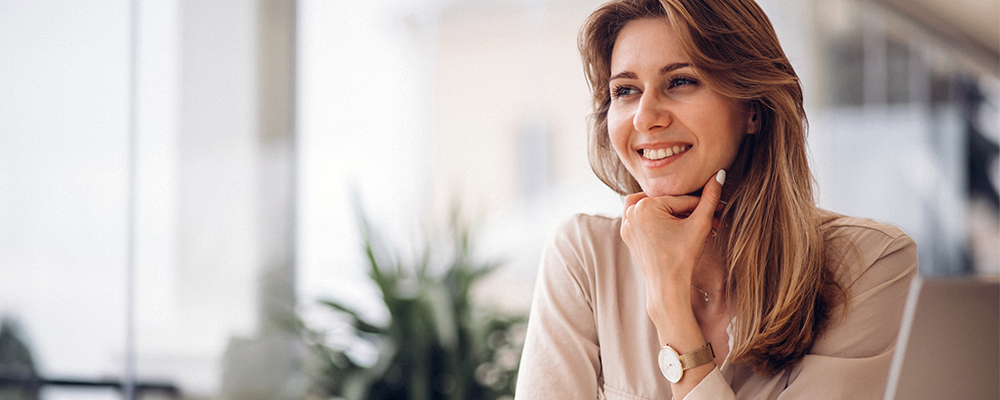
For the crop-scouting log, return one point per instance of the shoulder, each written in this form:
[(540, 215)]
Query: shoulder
[(858, 247), (874, 263), (580, 255), (587, 227), (835, 225), (584, 233), (584, 242)]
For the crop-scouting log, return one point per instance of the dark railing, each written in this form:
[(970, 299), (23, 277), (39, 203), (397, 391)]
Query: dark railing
[(31, 383)]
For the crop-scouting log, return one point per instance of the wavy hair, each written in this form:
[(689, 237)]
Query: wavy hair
[(780, 289)]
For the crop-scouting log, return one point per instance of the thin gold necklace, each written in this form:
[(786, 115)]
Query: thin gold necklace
[(706, 293)]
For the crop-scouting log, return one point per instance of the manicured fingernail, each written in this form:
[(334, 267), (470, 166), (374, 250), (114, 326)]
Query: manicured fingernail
[(721, 177)]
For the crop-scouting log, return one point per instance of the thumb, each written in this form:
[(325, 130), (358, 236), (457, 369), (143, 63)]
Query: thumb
[(710, 196)]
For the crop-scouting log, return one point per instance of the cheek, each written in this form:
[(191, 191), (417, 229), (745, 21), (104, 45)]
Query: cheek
[(739, 125), (737, 133), (726, 133), (729, 147), (618, 131)]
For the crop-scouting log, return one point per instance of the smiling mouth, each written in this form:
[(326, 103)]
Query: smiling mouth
[(659, 154)]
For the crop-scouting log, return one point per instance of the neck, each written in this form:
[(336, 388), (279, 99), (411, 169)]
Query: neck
[(710, 274)]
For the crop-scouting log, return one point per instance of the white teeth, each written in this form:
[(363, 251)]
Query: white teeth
[(659, 154)]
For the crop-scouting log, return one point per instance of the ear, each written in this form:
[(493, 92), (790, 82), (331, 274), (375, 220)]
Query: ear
[(753, 121)]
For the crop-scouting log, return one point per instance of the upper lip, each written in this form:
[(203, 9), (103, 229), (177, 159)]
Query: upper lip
[(660, 145)]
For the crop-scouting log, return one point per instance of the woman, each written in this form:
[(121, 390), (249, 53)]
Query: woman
[(722, 279)]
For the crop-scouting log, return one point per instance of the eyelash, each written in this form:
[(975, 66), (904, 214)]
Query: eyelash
[(673, 81), (619, 90)]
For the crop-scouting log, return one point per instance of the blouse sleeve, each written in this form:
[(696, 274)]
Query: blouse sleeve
[(560, 359), (713, 386), (852, 359)]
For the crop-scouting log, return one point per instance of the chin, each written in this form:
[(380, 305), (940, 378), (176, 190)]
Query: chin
[(657, 191), (673, 187)]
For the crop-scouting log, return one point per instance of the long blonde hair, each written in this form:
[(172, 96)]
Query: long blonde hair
[(780, 289)]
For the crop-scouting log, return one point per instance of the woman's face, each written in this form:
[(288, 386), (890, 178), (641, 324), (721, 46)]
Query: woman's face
[(670, 130)]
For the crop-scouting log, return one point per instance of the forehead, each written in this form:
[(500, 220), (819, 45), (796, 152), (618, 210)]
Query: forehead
[(649, 42)]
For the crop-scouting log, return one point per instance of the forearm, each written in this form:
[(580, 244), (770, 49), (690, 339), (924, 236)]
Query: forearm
[(667, 237), (671, 312)]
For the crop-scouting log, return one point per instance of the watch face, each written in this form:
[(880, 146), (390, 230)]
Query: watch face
[(670, 364)]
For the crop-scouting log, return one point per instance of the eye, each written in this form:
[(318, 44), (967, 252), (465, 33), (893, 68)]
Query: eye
[(682, 81), (621, 91)]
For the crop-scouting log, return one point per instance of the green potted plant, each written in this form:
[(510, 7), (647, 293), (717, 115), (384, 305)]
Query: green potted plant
[(438, 343)]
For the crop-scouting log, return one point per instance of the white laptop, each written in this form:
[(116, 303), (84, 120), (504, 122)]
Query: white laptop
[(949, 341)]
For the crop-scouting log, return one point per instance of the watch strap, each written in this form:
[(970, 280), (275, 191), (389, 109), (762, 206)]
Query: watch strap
[(698, 357)]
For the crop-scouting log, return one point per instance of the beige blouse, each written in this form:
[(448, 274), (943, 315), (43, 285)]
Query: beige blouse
[(589, 335)]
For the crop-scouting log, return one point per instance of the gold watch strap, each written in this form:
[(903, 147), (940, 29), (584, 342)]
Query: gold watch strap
[(698, 357)]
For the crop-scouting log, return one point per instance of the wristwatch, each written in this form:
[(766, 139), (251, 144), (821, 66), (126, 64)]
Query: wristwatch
[(673, 366)]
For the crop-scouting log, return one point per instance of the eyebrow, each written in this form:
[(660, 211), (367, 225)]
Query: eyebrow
[(663, 71)]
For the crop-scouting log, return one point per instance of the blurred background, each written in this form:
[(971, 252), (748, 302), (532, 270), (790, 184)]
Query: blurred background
[(179, 179)]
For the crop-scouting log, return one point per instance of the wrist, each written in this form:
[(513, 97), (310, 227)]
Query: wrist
[(682, 332), (673, 363), (669, 302)]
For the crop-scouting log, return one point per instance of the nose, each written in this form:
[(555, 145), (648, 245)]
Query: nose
[(652, 113)]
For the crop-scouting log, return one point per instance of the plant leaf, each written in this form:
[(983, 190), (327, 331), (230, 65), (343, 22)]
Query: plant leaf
[(358, 322)]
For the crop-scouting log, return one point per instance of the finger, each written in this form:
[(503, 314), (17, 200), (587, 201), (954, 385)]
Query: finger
[(633, 198), (630, 202), (710, 197), (628, 213), (678, 206)]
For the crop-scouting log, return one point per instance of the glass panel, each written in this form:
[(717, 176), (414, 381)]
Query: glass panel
[(63, 166)]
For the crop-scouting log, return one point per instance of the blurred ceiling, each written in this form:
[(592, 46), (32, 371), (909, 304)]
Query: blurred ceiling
[(971, 24)]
